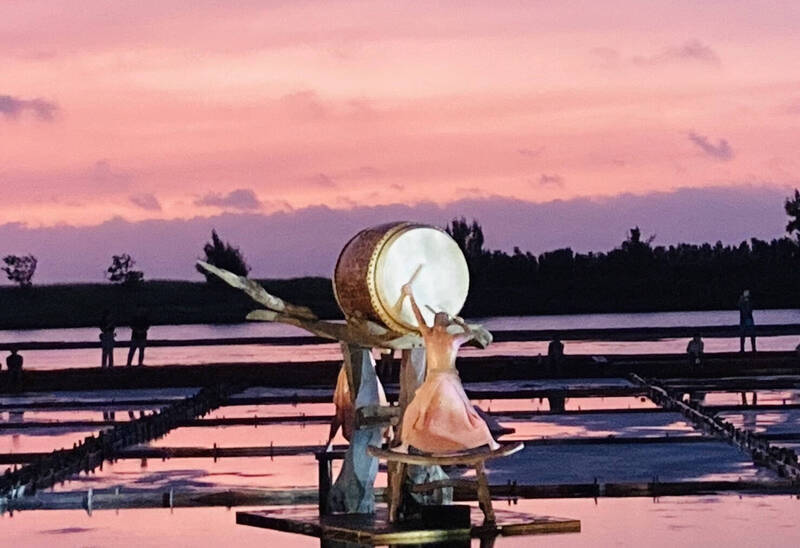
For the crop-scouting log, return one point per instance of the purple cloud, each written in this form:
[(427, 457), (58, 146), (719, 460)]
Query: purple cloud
[(168, 248), (241, 199), (12, 107), (322, 180), (721, 151), (146, 201), (551, 180), (691, 51)]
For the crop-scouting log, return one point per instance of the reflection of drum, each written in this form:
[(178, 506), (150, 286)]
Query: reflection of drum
[(375, 264)]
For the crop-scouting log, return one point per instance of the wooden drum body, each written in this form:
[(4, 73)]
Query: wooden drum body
[(377, 261)]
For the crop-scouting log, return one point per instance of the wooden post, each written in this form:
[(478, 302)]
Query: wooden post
[(89, 495), (324, 472), (484, 496), (396, 481)]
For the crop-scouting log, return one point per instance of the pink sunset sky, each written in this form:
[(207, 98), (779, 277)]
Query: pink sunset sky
[(158, 115)]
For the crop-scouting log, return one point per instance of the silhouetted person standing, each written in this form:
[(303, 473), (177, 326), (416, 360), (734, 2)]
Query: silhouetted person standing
[(555, 353), (747, 326), (694, 350), (14, 364), (139, 326), (107, 334)]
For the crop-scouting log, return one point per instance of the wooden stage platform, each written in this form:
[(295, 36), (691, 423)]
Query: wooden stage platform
[(375, 530)]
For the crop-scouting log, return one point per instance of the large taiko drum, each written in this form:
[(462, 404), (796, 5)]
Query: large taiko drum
[(378, 261)]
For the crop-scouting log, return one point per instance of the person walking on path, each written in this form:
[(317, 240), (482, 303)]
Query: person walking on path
[(139, 326), (107, 334), (746, 324)]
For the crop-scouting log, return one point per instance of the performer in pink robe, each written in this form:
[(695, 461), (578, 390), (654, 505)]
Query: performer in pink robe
[(440, 418), (345, 416)]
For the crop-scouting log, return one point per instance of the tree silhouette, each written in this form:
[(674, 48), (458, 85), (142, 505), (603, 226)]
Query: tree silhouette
[(223, 255), (792, 207), (469, 237), (635, 276), (20, 269), (121, 270)]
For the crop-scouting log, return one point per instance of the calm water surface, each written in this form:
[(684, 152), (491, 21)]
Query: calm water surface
[(667, 522), (260, 353), (708, 521)]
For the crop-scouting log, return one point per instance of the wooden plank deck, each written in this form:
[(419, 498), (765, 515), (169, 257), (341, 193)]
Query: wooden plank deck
[(376, 530)]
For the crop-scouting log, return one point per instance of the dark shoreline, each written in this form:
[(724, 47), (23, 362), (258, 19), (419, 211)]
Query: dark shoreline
[(186, 302), (167, 302)]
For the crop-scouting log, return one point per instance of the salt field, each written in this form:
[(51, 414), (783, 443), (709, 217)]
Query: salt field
[(603, 439), (664, 523), (599, 439)]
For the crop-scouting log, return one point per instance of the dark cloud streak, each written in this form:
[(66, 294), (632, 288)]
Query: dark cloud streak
[(13, 107), (551, 180), (692, 51), (146, 201), (243, 199), (721, 151)]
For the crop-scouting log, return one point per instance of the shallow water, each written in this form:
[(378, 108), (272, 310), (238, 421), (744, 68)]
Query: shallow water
[(44, 440), (542, 405), (189, 474), (53, 359), (57, 416), (763, 397), (238, 436), (714, 521), (90, 396), (668, 522), (551, 464), (273, 410), (769, 422), (618, 425)]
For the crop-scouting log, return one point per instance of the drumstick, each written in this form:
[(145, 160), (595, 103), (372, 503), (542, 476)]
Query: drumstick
[(414, 275), (454, 319), (399, 302)]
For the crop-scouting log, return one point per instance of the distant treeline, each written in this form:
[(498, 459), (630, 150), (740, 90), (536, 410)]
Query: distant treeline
[(634, 277), (167, 302)]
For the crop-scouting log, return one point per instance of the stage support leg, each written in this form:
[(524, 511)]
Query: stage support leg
[(353, 492)]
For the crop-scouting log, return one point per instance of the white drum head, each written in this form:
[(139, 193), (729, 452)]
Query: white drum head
[(439, 271)]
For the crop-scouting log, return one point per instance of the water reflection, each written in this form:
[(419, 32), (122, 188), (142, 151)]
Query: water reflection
[(46, 359), (662, 523)]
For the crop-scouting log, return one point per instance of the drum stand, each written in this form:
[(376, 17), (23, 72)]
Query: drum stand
[(353, 492)]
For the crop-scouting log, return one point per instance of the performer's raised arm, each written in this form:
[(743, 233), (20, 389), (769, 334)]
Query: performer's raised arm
[(423, 327), (468, 333)]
